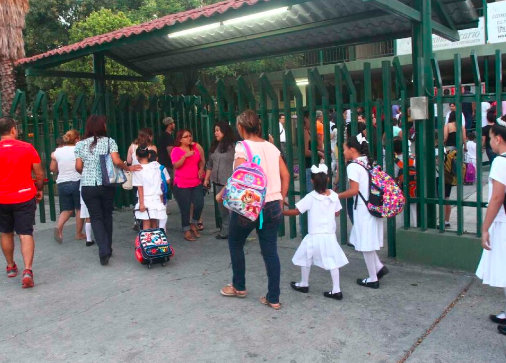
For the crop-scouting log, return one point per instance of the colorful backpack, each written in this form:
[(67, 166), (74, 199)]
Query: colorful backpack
[(246, 188), (164, 186), (470, 174), (412, 175), (152, 246), (385, 196)]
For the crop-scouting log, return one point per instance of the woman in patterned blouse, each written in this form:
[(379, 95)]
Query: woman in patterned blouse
[(98, 198)]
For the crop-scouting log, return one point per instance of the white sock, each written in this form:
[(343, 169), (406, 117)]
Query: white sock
[(370, 262), (89, 232), (304, 272), (377, 262), (162, 223), (336, 287), (502, 315)]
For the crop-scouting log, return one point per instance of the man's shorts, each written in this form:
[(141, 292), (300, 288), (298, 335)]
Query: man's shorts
[(19, 217)]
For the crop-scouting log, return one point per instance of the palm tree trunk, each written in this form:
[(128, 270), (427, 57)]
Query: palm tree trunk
[(7, 83)]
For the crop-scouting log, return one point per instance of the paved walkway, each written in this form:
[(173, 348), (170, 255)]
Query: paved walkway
[(80, 311)]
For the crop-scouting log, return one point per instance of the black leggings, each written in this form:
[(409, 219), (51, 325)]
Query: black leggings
[(185, 197)]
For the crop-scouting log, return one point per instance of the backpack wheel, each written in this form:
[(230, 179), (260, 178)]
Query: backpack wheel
[(163, 264), (149, 266)]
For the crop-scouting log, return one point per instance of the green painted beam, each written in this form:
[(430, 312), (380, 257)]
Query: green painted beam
[(443, 14), (127, 64), (33, 72)]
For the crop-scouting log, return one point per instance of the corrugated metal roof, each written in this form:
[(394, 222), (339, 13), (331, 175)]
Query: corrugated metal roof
[(306, 25)]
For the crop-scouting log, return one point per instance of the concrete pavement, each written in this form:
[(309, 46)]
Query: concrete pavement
[(80, 311)]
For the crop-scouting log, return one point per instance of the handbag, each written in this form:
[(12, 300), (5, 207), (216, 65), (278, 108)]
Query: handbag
[(111, 174), (128, 184)]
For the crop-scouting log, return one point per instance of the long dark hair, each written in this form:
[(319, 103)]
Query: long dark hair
[(319, 182), (352, 143), (95, 127), (228, 140), (179, 137)]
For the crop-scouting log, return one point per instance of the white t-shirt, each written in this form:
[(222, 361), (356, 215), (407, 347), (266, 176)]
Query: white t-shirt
[(448, 117), (484, 108), (150, 178), (282, 133), (333, 136), (348, 116), (321, 211), (497, 173), (66, 160), (471, 152), (358, 174)]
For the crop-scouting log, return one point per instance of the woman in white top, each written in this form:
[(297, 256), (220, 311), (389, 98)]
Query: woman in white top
[(63, 162), (145, 137), (367, 231), (492, 267), (240, 227), (320, 246)]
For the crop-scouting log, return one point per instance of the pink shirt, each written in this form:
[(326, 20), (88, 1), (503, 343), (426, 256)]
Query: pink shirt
[(269, 161), (186, 176)]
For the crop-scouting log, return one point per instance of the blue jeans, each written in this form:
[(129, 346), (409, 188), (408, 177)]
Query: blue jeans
[(240, 228)]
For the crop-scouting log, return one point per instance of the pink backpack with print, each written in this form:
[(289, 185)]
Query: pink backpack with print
[(246, 188), (385, 196)]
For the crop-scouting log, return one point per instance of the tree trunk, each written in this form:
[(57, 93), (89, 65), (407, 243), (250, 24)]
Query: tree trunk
[(8, 84)]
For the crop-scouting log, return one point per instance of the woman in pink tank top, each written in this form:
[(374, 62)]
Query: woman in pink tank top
[(188, 161)]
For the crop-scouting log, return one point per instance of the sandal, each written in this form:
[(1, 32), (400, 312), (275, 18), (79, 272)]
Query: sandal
[(200, 226), (231, 291), (194, 230), (264, 301), (188, 235)]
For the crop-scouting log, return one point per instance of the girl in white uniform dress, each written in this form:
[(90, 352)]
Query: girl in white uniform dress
[(150, 208), (367, 231), (320, 246), (492, 267)]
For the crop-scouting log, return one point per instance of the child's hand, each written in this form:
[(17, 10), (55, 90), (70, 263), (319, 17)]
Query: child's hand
[(142, 208), (485, 242)]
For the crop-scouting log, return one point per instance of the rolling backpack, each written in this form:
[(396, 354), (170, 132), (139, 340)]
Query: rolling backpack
[(152, 246), (246, 188), (411, 175), (385, 196), (470, 174)]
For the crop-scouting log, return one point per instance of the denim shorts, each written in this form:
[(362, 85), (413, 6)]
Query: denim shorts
[(70, 197)]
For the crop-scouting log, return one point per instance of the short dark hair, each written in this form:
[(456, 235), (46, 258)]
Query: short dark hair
[(471, 136), (397, 146), (6, 125)]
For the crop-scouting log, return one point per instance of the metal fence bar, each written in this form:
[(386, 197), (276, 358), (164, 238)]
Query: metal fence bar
[(341, 162), (479, 171), (460, 157)]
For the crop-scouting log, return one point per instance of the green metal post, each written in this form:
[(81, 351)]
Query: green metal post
[(19, 106), (244, 95), (479, 155), (79, 113), (311, 95), (389, 152), (368, 106), (40, 110), (340, 144), (405, 158), (61, 103), (126, 136), (498, 82), (460, 156), (353, 98), (486, 74), (99, 81)]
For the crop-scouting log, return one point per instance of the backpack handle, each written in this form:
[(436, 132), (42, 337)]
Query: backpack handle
[(254, 159)]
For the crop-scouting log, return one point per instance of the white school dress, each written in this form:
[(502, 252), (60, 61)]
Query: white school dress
[(367, 231), (492, 267), (150, 178), (320, 246)]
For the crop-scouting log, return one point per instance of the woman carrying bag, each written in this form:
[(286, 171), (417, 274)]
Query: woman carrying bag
[(99, 198)]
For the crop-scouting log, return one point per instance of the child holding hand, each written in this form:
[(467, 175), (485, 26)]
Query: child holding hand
[(320, 246)]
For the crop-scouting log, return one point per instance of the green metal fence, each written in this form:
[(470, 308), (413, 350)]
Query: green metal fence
[(199, 113)]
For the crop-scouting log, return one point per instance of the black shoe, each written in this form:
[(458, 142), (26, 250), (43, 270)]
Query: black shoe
[(88, 244), (365, 283), (502, 329), (497, 320), (381, 273), (350, 245), (219, 236), (337, 295), (105, 260), (304, 290)]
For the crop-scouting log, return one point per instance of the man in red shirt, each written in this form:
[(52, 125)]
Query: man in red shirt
[(18, 197)]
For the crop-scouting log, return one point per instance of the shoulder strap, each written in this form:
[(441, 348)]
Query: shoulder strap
[(249, 155)]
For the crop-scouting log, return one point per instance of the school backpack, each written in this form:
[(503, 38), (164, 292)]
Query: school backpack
[(164, 186), (246, 188), (470, 174), (152, 246), (411, 175), (385, 196), (450, 167)]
